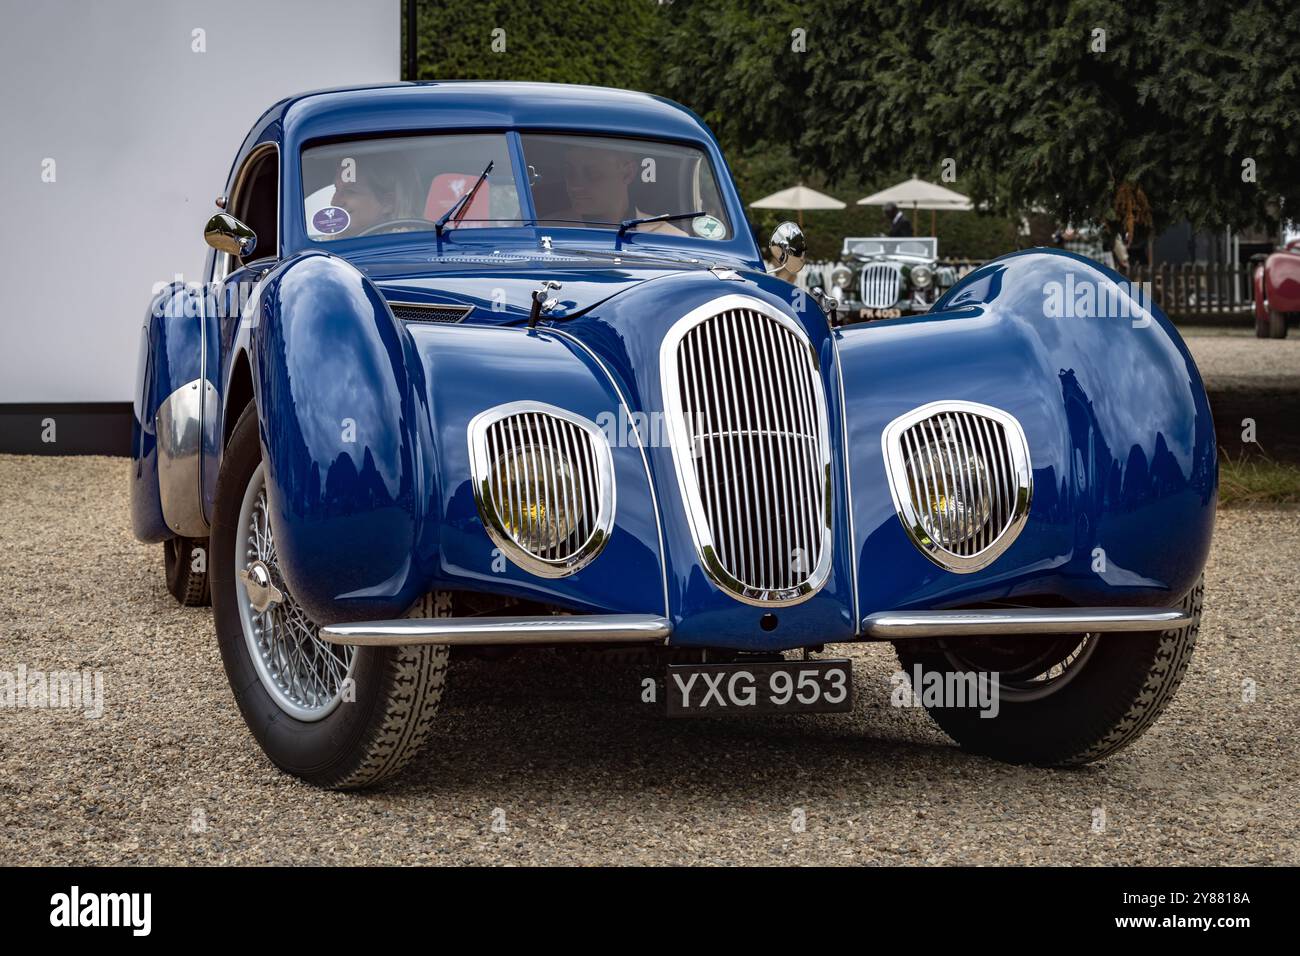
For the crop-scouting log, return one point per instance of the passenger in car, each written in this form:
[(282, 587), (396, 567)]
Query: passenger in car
[(598, 185)]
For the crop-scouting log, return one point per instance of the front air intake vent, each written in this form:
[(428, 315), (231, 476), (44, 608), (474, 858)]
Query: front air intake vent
[(426, 312), (961, 481), (544, 483), (745, 405)]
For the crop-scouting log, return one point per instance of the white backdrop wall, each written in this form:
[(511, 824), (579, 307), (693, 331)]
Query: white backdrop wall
[(142, 130)]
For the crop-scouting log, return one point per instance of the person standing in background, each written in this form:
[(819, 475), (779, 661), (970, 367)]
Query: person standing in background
[(899, 225)]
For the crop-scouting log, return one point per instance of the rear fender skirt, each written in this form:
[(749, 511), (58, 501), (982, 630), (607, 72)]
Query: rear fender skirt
[(170, 361)]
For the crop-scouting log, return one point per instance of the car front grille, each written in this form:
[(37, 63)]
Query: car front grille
[(748, 416), (961, 480), (882, 285)]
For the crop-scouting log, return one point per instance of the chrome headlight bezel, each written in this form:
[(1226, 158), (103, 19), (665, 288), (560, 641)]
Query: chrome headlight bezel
[(921, 277), (573, 476), (1007, 480)]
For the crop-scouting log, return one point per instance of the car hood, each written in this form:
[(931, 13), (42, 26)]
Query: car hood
[(498, 284)]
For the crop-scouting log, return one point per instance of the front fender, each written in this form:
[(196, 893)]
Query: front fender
[(1120, 438), (1282, 282), (364, 431), (340, 439)]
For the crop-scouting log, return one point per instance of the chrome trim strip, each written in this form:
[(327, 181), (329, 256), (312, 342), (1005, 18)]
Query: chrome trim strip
[(809, 417), (848, 481), (179, 427), (1011, 487), (645, 460), (554, 629), (997, 622), (593, 465)]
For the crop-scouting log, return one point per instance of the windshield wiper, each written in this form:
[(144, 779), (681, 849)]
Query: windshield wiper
[(627, 224), (463, 202)]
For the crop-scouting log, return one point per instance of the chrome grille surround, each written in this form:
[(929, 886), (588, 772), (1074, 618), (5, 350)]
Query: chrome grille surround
[(746, 412), (1001, 480), (882, 284), (513, 456)]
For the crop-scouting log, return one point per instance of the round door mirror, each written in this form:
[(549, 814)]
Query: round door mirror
[(227, 234), (787, 248)]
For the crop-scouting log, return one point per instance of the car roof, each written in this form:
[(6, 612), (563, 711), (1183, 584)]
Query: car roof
[(470, 104)]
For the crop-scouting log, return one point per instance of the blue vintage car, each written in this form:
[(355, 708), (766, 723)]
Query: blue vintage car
[(483, 364)]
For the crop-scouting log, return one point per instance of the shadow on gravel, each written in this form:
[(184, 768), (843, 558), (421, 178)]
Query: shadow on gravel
[(575, 720), (1277, 422)]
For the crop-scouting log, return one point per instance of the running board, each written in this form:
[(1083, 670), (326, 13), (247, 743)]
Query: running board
[(553, 629), (996, 622)]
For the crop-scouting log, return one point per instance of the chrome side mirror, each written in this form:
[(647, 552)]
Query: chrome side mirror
[(787, 248), (227, 234)]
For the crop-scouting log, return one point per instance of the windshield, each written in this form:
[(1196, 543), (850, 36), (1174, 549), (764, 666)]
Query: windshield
[(404, 184)]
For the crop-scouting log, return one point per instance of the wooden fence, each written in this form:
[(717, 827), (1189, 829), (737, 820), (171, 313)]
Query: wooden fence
[(1200, 292)]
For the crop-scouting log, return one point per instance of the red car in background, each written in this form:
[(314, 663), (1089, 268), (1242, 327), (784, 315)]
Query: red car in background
[(1277, 290)]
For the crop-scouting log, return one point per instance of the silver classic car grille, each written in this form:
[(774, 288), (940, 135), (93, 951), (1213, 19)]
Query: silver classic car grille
[(748, 418), (961, 480), (882, 284), (543, 480)]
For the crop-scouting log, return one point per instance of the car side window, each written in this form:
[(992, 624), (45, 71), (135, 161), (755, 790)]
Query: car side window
[(257, 205)]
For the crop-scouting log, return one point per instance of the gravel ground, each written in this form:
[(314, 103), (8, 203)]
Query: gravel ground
[(1244, 362), (1250, 378), (558, 754)]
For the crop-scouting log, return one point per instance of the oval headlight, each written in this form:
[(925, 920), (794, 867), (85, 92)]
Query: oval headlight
[(544, 484), (531, 482), (950, 510), (841, 276), (921, 276)]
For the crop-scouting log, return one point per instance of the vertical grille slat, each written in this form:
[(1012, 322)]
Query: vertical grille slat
[(961, 477), (746, 386)]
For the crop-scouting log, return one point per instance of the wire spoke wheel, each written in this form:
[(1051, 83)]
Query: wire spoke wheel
[(1027, 670), (304, 675)]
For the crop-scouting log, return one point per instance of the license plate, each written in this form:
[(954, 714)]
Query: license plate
[(779, 687)]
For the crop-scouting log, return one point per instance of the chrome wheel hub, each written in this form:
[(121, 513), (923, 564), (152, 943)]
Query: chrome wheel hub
[(305, 676), (262, 594)]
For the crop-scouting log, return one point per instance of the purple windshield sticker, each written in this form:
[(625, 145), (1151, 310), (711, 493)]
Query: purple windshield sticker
[(330, 220)]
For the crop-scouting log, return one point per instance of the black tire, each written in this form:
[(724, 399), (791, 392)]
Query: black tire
[(1276, 324), (1261, 326), (185, 562), (1116, 694), (396, 690)]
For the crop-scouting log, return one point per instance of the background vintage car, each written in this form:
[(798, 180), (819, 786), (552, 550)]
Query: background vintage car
[(392, 445), (1277, 290), (880, 277)]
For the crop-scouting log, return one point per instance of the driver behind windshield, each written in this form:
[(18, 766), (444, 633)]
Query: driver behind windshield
[(598, 184), (381, 187)]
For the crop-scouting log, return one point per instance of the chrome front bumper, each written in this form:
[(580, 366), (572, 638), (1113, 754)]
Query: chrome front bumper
[(649, 629), (477, 631), (892, 625)]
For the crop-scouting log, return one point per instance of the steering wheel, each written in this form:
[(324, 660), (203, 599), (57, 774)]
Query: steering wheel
[(388, 223)]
